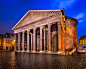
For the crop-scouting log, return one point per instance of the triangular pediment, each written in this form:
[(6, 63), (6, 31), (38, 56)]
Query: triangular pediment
[(34, 15)]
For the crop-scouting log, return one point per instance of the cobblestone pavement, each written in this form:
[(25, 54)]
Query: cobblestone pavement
[(12, 60)]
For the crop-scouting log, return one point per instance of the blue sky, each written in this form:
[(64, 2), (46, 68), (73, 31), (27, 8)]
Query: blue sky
[(11, 12)]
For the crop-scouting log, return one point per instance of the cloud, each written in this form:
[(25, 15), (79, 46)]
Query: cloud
[(79, 16), (80, 21), (62, 3)]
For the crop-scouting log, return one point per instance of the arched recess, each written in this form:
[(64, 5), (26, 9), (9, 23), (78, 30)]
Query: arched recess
[(54, 40), (54, 37)]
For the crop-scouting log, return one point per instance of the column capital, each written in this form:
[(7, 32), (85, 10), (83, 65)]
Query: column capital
[(58, 23), (31, 33), (41, 27), (44, 29), (28, 30), (49, 24), (23, 31), (19, 33), (34, 29), (15, 33), (53, 23)]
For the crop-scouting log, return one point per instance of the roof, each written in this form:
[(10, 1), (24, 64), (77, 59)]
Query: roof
[(66, 17), (30, 12), (84, 36)]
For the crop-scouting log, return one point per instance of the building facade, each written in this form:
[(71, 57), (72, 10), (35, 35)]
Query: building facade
[(45, 30), (82, 41), (7, 41)]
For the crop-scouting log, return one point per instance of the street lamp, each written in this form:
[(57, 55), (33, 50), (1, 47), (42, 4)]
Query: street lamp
[(13, 44)]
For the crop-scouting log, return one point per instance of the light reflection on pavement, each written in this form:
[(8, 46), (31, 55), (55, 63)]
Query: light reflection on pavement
[(12, 60)]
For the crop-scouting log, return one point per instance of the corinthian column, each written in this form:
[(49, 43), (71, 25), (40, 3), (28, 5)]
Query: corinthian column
[(28, 40), (34, 39), (41, 38), (19, 41), (44, 40), (31, 41), (15, 41), (23, 40), (49, 37), (59, 36)]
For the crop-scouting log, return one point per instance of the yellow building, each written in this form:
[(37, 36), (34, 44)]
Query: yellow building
[(7, 42), (82, 41)]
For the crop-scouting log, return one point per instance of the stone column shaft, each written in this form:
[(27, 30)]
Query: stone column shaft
[(44, 40), (23, 41), (59, 36), (18, 41), (31, 41), (15, 41), (34, 39), (28, 40), (41, 38), (49, 36)]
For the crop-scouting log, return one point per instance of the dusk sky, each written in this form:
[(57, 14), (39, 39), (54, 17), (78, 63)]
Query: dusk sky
[(11, 11)]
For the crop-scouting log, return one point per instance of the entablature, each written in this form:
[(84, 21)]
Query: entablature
[(39, 23)]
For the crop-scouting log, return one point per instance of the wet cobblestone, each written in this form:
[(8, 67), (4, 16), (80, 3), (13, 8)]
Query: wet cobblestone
[(12, 60)]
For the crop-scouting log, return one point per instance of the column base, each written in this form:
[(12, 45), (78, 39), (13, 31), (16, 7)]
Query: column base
[(41, 51), (49, 52), (15, 50), (59, 52), (18, 51), (59, 49), (27, 51), (23, 51), (33, 51)]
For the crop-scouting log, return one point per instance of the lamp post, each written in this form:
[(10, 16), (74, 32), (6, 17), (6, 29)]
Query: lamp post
[(13, 44)]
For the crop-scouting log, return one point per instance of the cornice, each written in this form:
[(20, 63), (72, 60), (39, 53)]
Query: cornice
[(71, 19)]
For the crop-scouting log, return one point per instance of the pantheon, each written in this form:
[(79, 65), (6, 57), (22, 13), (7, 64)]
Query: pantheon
[(47, 31)]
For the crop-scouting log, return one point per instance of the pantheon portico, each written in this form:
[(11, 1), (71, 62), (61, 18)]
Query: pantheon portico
[(45, 31)]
